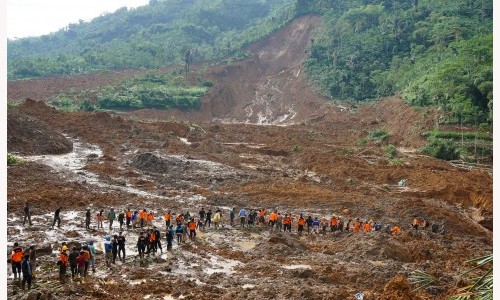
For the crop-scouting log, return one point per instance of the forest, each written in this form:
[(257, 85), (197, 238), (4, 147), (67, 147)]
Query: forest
[(428, 52)]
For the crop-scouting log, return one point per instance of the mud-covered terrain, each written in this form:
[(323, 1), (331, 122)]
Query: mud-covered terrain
[(313, 163)]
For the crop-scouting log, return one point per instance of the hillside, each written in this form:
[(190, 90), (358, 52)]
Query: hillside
[(313, 157)]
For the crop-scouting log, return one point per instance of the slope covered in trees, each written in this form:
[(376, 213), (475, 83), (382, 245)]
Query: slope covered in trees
[(158, 34), (428, 52)]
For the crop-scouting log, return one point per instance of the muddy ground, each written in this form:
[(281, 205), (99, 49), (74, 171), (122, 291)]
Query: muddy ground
[(291, 151)]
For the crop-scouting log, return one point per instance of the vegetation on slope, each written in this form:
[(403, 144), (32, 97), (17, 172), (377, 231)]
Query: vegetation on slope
[(161, 33), (429, 52)]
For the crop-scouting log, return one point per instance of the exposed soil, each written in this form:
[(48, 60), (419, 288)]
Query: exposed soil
[(222, 157)]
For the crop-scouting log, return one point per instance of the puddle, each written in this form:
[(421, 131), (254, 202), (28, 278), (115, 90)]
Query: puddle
[(294, 267)]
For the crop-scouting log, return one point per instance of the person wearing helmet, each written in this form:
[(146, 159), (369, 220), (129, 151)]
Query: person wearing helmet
[(63, 264)]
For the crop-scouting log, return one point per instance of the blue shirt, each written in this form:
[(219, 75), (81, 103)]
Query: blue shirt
[(243, 212)]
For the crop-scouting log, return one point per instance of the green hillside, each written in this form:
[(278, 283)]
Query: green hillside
[(428, 52), (158, 34)]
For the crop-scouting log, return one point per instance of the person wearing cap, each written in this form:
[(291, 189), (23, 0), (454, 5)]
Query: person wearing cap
[(63, 263), (27, 272)]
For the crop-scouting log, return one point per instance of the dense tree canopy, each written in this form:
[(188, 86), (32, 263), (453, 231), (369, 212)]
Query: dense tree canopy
[(429, 52)]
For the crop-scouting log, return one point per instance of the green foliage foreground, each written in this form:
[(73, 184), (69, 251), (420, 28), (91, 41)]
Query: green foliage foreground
[(163, 91)]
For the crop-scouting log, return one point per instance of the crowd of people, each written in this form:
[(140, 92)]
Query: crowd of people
[(181, 227)]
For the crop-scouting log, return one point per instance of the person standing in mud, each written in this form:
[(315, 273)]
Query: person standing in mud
[(121, 246), (192, 229), (287, 223), (63, 264), (168, 217), (157, 240), (142, 216), (100, 219), (279, 222), (231, 216), (27, 272), (108, 248), (309, 222), (179, 232), (243, 215), (170, 237), (27, 213), (111, 217), (88, 257), (73, 255), (121, 219), (92, 255), (141, 245), (114, 248), (208, 218), (128, 216), (217, 219), (16, 259), (301, 222), (202, 213), (32, 253), (80, 264), (87, 219), (57, 218)]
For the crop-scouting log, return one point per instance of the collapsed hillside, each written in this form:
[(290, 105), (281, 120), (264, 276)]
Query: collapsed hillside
[(322, 162)]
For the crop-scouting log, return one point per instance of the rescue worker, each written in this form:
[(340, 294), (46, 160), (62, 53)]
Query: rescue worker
[(167, 217), (279, 222), (121, 246), (333, 224), (27, 272), (142, 217), (128, 217), (63, 264), (301, 222), (150, 217), (395, 230), (415, 223), (217, 220), (262, 216), (157, 240), (425, 224), (315, 225), (16, 259), (367, 227), (357, 225), (324, 225), (192, 229), (141, 245), (88, 258), (272, 219), (348, 225), (287, 223)]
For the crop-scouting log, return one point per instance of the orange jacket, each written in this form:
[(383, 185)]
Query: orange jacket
[(263, 213), (301, 221), (192, 225), (128, 214), (356, 226), (150, 216), (86, 255), (333, 222), (367, 227), (395, 230), (167, 217), (273, 216), (152, 237), (17, 255), (142, 215), (64, 258), (287, 220), (415, 221)]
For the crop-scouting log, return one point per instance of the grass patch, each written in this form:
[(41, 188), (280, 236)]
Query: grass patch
[(459, 135), (13, 160), (378, 135)]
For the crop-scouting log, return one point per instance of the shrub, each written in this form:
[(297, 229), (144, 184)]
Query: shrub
[(378, 135), (391, 151), (12, 160), (442, 149)]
